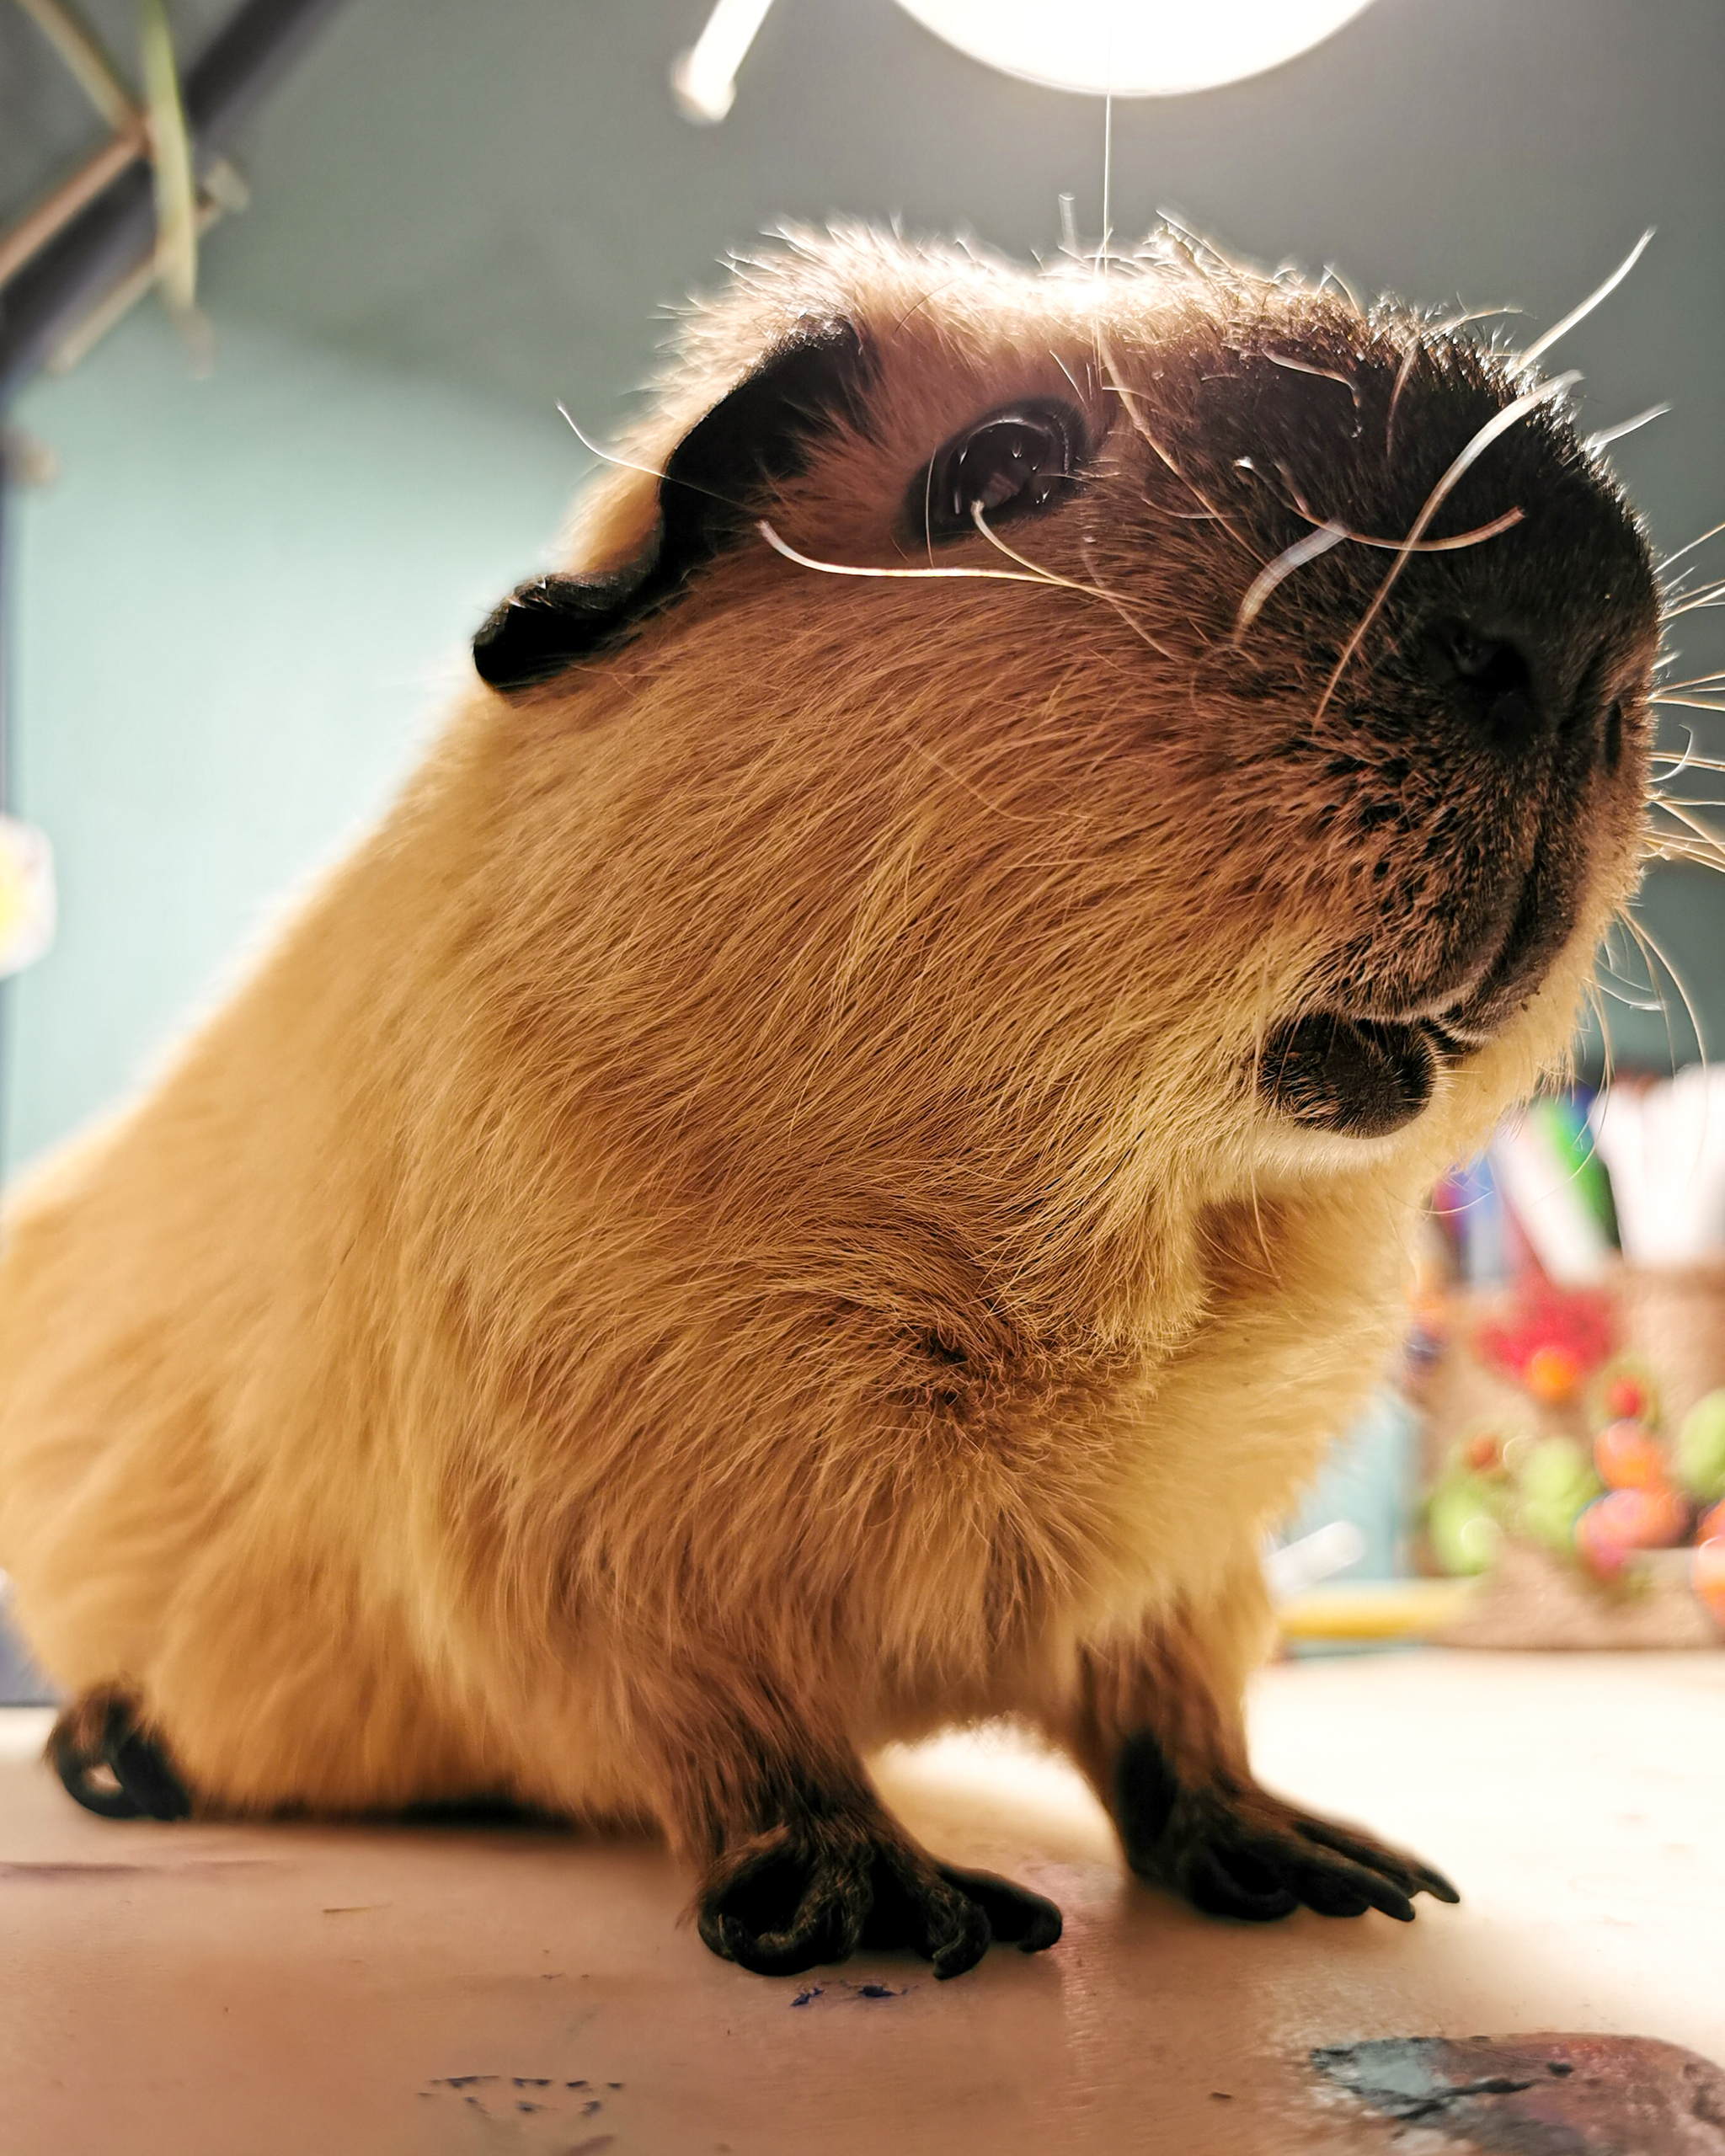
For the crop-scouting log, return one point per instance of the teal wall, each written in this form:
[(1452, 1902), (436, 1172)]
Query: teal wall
[(236, 613)]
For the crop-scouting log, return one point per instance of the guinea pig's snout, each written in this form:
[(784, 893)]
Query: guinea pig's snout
[(1489, 735), (1501, 684), (1489, 679)]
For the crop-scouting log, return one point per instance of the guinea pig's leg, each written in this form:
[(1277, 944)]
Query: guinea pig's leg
[(104, 1732), (806, 1865), (1156, 1724)]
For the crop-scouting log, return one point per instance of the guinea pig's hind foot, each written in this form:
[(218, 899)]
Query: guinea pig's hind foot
[(107, 1760), (1234, 1850), (813, 1889)]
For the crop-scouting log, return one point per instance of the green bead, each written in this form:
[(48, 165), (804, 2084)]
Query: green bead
[(1462, 1521), (1701, 1450), (1558, 1483)]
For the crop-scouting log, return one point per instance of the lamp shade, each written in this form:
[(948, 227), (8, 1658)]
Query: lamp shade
[(1135, 48)]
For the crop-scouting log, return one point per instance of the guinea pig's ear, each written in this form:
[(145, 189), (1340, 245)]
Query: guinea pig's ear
[(717, 481)]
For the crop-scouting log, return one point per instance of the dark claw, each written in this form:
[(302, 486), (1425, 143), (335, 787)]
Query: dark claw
[(916, 1906), (1016, 1917), (808, 1895), (783, 1911), (1335, 1886), (1235, 1850), (143, 1773), (1415, 1877)]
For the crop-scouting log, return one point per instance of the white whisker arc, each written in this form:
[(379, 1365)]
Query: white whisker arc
[(1711, 532), (1510, 416), (1308, 549), (1541, 345), (1331, 534), (1027, 571), (1596, 442), (858, 568)]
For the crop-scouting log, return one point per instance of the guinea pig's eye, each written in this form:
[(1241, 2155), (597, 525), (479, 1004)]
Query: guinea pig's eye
[(1011, 462)]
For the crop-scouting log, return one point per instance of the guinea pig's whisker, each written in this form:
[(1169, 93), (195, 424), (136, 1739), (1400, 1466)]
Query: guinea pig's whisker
[(1686, 851), (1649, 943), (1710, 594), (1113, 383), (1678, 588), (1598, 441), (1103, 248), (1688, 703), (1708, 837), (1331, 531), (1403, 375), (1332, 275), (1648, 997), (1093, 590), (627, 464), (1541, 345), (1680, 806), (1499, 424), (1629, 1002), (1679, 762), (1323, 374), (1608, 1047), (1687, 762), (1480, 532), (1290, 558), (1067, 372), (1428, 336), (1476, 538), (1028, 572), (1712, 532), (1681, 840), (857, 569), (1660, 1002), (1120, 606)]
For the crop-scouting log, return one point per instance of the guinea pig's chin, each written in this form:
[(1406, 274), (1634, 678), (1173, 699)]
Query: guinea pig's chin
[(1350, 1078)]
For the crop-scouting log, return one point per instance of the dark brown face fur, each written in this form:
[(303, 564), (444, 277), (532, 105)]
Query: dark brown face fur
[(1481, 751)]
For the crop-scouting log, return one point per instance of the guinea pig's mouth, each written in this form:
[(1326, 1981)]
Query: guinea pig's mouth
[(1365, 1074), (1359, 1077)]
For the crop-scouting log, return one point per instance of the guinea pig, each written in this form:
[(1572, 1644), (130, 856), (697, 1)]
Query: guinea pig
[(832, 1166)]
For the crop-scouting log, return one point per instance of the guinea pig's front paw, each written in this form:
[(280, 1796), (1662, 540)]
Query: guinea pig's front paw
[(106, 1753), (813, 1891), (1235, 1850)]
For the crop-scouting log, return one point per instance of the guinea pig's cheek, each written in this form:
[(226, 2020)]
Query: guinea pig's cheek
[(1358, 1077)]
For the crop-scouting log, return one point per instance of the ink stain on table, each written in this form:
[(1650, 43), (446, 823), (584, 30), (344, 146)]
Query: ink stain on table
[(844, 1986), (548, 2097), (1540, 2096)]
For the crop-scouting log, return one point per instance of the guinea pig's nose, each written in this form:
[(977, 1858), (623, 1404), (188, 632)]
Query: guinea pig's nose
[(1488, 678)]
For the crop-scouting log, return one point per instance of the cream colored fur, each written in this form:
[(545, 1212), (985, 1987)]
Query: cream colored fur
[(516, 1347)]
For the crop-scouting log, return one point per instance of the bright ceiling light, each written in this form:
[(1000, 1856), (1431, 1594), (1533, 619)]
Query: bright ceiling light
[(1136, 48), (1132, 48)]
